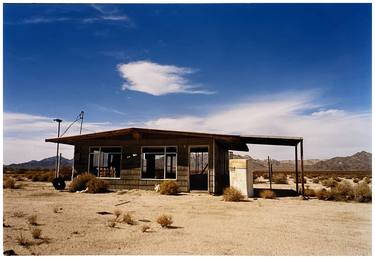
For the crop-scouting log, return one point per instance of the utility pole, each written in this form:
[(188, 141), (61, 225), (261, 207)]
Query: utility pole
[(57, 152), (81, 117)]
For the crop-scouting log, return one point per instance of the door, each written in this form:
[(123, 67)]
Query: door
[(198, 168)]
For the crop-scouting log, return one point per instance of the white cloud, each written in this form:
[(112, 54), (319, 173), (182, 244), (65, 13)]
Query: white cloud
[(24, 136), (156, 79), (326, 132)]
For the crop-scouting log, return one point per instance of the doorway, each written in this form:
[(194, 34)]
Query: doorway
[(198, 168)]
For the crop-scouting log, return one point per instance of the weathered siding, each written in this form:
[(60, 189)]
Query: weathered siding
[(130, 177)]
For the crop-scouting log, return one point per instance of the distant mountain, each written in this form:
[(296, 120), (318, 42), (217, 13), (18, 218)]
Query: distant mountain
[(47, 163), (358, 161)]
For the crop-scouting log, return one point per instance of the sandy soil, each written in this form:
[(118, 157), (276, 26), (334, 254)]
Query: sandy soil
[(203, 224)]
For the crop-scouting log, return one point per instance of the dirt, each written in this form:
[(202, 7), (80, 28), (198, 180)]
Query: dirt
[(202, 224)]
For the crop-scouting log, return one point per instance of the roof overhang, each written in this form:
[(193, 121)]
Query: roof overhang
[(232, 142)]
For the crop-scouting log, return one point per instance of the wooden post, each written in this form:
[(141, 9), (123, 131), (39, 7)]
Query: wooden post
[(302, 172), (269, 172), (296, 159)]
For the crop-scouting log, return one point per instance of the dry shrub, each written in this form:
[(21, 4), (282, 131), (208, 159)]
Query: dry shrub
[(55, 209), (169, 188), (145, 228), (337, 179), (97, 186), (18, 214), (362, 192), (329, 183), (36, 233), (323, 194), (80, 182), (165, 220), (127, 218), (355, 180), (111, 223), (315, 180), (265, 176), (343, 191), (9, 183), (32, 219), (310, 192), (117, 213), (280, 179), (267, 194), (22, 241), (232, 194), (367, 180)]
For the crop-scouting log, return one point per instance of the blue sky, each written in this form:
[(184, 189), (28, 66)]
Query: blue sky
[(145, 65)]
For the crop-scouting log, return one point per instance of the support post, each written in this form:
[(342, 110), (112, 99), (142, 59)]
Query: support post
[(302, 172), (296, 159)]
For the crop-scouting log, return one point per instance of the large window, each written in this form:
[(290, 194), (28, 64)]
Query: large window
[(105, 161), (159, 162)]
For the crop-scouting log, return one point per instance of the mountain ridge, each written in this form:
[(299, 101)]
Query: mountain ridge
[(358, 161)]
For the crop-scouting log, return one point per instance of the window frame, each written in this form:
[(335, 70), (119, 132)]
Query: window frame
[(100, 150), (165, 163)]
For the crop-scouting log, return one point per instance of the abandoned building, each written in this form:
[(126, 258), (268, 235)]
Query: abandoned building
[(139, 158)]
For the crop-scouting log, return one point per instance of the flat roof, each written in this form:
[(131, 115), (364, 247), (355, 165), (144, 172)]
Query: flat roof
[(235, 142)]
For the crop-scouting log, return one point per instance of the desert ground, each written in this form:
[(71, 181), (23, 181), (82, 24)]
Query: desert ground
[(202, 224)]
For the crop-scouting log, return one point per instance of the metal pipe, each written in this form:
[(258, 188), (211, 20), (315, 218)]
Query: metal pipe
[(81, 117), (296, 159), (302, 172), (57, 151)]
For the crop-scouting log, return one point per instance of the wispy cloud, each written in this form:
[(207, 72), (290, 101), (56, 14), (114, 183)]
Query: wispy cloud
[(157, 79), (43, 19), (24, 136), (105, 13), (326, 132)]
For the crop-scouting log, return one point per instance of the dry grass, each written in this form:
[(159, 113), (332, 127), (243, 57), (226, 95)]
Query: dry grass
[(145, 228), (315, 180), (97, 186), (80, 182), (329, 183), (280, 179), (355, 180), (169, 188), (111, 223), (310, 192), (117, 213), (127, 218), (267, 194), (232, 194), (22, 241), (32, 219), (345, 191), (36, 233), (165, 221), (362, 192), (19, 214), (366, 180), (9, 183)]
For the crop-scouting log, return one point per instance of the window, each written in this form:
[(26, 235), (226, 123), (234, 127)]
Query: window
[(159, 162), (105, 161)]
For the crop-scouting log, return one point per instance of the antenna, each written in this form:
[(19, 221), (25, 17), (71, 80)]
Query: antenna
[(79, 117)]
